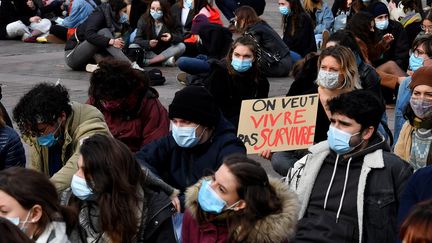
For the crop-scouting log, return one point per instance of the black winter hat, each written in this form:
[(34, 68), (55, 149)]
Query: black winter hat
[(195, 104)]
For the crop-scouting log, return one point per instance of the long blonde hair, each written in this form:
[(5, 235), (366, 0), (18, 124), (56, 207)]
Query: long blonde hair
[(309, 5)]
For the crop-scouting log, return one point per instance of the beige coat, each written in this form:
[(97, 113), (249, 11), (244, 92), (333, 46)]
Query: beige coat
[(84, 121)]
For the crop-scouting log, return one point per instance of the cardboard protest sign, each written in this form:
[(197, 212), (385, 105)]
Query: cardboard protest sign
[(278, 124)]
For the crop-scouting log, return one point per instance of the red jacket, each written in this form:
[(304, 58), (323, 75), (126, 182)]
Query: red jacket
[(205, 233), (139, 125)]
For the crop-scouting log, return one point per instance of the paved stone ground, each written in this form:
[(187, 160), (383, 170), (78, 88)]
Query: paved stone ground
[(23, 65)]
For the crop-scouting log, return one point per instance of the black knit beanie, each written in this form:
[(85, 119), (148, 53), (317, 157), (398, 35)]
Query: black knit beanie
[(195, 104)]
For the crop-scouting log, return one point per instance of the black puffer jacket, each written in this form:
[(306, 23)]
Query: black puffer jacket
[(11, 11), (11, 149), (303, 40)]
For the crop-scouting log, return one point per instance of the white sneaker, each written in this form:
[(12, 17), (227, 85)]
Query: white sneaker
[(135, 65), (91, 67), (170, 62)]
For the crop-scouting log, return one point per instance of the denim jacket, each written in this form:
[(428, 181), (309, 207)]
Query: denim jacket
[(81, 9), (402, 101), (324, 19)]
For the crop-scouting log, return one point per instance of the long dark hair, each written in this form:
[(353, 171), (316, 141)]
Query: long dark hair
[(248, 15), (11, 233), (360, 25), (296, 11), (115, 176), (167, 20), (261, 198), (31, 188), (244, 41)]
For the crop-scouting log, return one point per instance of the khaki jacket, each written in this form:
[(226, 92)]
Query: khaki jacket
[(84, 121)]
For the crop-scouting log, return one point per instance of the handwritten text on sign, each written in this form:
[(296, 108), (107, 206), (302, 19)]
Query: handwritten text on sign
[(278, 124)]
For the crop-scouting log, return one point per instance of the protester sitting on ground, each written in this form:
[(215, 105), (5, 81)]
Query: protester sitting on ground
[(199, 141), (298, 29), (239, 203), (323, 19), (79, 10), (130, 106), (54, 126), (11, 233), (30, 201), (12, 11), (28, 29), (418, 225), (184, 11), (362, 26), (96, 38), (337, 74), (159, 35), (215, 42), (117, 202), (11, 149), (350, 186), (347, 7), (279, 63), (236, 78), (399, 45), (421, 54), (415, 138)]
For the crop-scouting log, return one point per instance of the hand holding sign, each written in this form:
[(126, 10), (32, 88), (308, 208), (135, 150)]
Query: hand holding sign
[(278, 124)]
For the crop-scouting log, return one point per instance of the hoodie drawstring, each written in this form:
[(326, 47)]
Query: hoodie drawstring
[(344, 188)]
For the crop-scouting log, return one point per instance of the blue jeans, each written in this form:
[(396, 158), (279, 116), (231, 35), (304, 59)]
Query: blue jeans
[(402, 101), (194, 65), (295, 56)]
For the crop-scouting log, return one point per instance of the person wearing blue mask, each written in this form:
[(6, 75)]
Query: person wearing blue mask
[(236, 78), (30, 201), (420, 57), (53, 126), (350, 185), (239, 203), (98, 36), (159, 35), (298, 29), (200, 138), (117, 201)]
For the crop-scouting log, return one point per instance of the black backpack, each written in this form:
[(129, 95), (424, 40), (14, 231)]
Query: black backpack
[(155, 76)]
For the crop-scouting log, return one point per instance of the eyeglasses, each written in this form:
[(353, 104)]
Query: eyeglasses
[(426, 27)]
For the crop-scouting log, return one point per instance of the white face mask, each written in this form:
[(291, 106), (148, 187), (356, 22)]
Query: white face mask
[(328, 79)]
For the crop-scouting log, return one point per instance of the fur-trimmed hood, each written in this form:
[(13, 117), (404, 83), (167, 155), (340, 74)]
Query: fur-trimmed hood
[(273, 228)]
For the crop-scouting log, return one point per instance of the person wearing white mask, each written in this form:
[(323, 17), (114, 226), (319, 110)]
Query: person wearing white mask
[(159, 35), (30, 201), (421, 54), (350, 185), (415, 138), (117, 200), (239, 203), (199, 141)]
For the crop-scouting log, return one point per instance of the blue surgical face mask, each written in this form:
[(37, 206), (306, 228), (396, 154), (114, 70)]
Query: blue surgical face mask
[(210, 201), (185, 137), (415, 62), (241, 65), (123, 18), (49, 139), (382, 25), (188, 4), (284, 10), (156, 15), (80, 188), (339, 140), (16, 221)]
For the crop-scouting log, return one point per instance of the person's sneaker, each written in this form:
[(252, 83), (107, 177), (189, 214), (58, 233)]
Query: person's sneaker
[(30, 39), (91, 67), (181, 77), (170, 62), (41, 40), (325, 38), (135, 65)]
